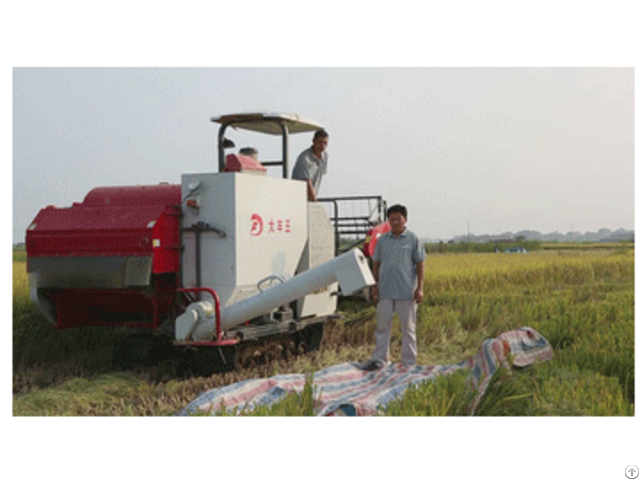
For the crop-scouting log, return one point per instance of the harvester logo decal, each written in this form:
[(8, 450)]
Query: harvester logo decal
[(256, 225), (276, 226)]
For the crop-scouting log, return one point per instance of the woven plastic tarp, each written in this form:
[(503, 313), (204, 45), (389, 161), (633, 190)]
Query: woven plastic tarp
[(344, 389)]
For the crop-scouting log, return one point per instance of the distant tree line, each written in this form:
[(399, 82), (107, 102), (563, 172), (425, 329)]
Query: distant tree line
[(506, 246)]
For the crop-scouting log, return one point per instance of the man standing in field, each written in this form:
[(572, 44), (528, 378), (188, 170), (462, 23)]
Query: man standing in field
[(398, 268), (312, 164)]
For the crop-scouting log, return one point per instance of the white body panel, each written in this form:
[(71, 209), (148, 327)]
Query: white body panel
[(319, 249), (264, 220)]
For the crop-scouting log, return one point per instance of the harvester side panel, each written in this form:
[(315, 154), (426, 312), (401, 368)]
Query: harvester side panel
[(319, 249)]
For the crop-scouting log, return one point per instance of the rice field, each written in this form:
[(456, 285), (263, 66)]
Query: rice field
[(581, 300)]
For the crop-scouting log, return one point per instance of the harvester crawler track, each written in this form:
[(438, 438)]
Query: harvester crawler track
[(207, 360)]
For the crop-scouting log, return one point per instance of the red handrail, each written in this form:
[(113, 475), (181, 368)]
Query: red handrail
[(216, 301)]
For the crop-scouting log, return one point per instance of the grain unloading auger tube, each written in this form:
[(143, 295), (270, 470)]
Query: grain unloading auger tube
[(200, 323)]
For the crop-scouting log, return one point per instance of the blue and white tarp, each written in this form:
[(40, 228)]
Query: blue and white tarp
[(346, 390)]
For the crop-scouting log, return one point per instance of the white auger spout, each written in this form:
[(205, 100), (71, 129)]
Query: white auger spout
[(350, 270)]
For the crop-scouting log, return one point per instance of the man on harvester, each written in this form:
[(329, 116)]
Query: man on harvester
[(312, 164)]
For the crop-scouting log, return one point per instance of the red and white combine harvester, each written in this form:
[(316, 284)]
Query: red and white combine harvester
[(223, 263)]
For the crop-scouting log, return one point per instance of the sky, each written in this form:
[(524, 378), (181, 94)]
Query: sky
[(485, 150)]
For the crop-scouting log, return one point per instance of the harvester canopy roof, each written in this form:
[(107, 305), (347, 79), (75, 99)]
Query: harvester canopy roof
[(269, 122)]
